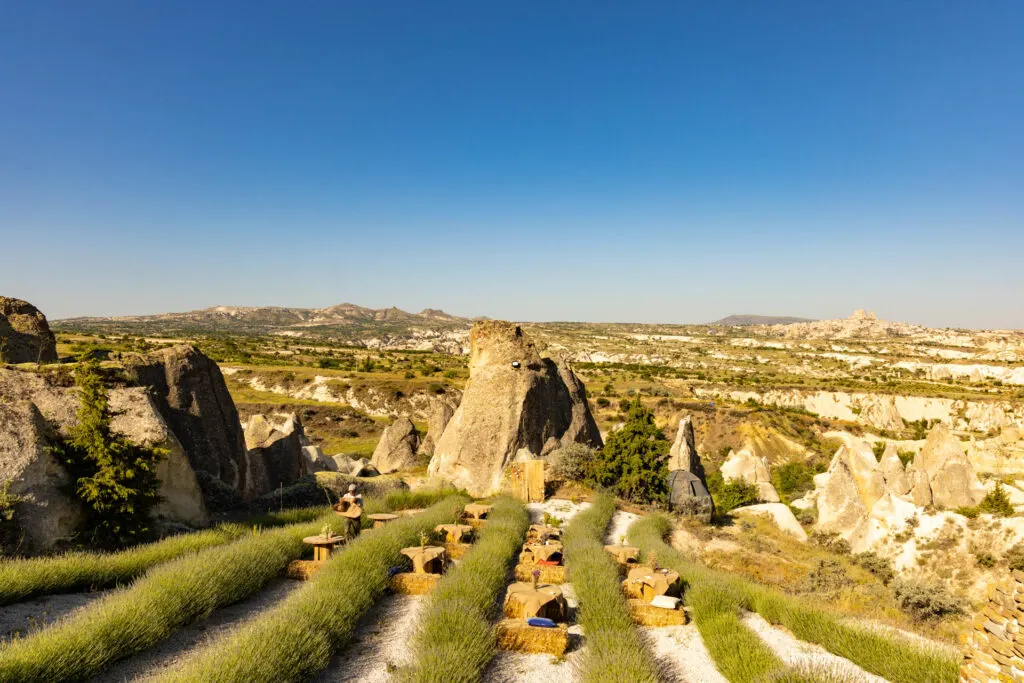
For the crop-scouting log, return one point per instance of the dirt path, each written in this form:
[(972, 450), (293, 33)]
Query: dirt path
[(174, 650), (22, 618), (798, 653), (619, 526), (682, 654), (382, 642)]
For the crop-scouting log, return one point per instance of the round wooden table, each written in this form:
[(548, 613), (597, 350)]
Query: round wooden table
[(323, 545), (381, 518)]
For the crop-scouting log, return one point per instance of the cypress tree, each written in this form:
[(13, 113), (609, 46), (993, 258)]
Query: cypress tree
[(633, 461)]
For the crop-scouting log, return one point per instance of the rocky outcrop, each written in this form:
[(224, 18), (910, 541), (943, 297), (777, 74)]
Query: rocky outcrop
[(396, 449), (896, 480), (189, 391), (25, 336), (514, 399), (744, 465), (994, 645), (942, 475), (779, 514), (849, 489), (441, 412), (683, 454), (275, 455)]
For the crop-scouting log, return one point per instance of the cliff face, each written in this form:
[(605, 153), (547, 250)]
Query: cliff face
[(25, 336)]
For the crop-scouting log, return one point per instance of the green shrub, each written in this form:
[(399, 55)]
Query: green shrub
[(297, 637), (969, 512), (831, 541), (734, 493), (906, 457), (806, 517), (880, 566), (615, 652), (1015, 557), (986, 560), (114, 479), (926, 601), (633, 460), (454, 640), (878, 448), (827, 578), (996, 502), (792, 480), (10, 531), (572, 462)]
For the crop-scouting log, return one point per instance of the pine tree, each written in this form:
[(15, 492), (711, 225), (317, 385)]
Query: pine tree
[(114, 478), (633, 461)]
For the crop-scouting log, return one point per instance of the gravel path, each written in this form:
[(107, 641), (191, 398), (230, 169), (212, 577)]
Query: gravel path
[(801, 654), (174, 650), (22, 618), (382, 643), (621, 521), (682, 654)]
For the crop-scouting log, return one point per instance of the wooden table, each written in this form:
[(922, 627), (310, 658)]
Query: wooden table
[(427, 559), (624, 554), (523, 601), (382, 518), (323, 545), (454, 533), (648, 583), (478, 510)]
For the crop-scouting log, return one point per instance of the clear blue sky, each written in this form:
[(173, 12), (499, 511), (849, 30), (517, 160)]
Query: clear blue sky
[(630, 161)]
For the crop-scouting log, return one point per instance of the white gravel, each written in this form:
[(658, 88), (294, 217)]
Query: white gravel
[(382, 642), (22, 618), (682, 654), (798, 653), (621, 521)]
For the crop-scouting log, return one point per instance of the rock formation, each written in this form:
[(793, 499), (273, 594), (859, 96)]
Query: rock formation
[(896, 480), (514, 399), (25, 336), (849, 489), (441, 412), (396, 449), (190, 392), (275, 455), (941, 474), (779, 514), (38, 412), (744, 465)]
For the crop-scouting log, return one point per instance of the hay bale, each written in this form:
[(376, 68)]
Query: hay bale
[(457, 551), (475, 523), (518, 636), (409, 583), (302, 570), (548, 574), (644, 614)]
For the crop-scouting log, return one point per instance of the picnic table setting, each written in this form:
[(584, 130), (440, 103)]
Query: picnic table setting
[(530, 600), (478, 510), (624, 554), (426, 559), (455, 533), (649, 582), (549, 553)]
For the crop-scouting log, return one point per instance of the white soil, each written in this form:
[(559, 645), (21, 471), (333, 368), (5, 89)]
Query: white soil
[(169, 653), (682, 654), (381, 644), (619, 526), (22, 618), (798, 653)]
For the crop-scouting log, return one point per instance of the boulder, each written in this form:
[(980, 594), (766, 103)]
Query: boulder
[(189, 391), (896, 480), (342, 463), (396, 449), (441, 412), (363, 468), (744, 465), (275, 456), (942, 475), (316, 461), (25, 336), (780, 514), (514, 399)]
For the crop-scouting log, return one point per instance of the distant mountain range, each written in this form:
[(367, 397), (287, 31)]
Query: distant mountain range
[(746, 319), (346, 319)]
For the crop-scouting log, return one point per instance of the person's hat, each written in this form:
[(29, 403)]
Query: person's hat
[(351, 487)]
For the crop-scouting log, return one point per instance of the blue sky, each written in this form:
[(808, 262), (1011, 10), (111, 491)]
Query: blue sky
[(641, 161)]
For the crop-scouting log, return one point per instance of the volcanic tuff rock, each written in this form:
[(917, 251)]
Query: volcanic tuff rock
[(190, 393), (37, 412), (514, 399), (896, 480), (25, 336), (396, 449), (941, 474), (441, 412), (744, 465), (275, 455), (849, 489), (779, 514)]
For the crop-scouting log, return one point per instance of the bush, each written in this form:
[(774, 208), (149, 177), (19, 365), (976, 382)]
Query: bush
[(878, 448), (572, 462), (806, 517), (880, 566), (926, 601), (1015, 557), (996, 502), (792, 480), (114, 479), (10, 531), (969, 512), (733, 494), (831, 541), (602, 402), (827, 578), (985, 559), (633, 460)]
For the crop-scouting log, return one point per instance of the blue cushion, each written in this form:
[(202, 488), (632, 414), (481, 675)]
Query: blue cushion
[(538, 621)]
